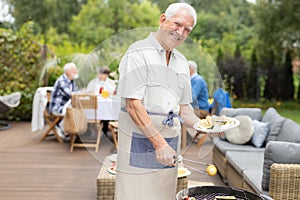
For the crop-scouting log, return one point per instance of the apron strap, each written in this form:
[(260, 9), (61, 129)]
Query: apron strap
[(169, 117)]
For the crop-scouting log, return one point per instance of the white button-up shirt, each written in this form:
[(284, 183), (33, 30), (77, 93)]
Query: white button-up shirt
[(145, 75)]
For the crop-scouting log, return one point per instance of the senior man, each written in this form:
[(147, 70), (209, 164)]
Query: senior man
[(154, 87)]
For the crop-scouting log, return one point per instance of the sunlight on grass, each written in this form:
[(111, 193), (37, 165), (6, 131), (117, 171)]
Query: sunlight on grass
[(288, 109)]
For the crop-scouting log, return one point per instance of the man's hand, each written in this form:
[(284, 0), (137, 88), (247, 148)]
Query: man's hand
[(165, 156), (218, 134)]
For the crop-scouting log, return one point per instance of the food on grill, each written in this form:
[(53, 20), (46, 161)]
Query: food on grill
[(224, 197), (188, 198)]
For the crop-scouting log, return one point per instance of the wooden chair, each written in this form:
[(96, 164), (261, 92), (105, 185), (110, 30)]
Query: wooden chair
[(87, 101), (52, 121), (113, 127)]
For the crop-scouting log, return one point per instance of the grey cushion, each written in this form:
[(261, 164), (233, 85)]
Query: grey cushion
[(253, 178), (253, 113), (289, 132), (242, 133), (261, 130), (241, 160), (225, 146), (275, 121), (279, 152)]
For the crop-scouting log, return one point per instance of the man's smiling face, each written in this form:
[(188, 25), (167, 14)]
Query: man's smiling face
[(176, 29)]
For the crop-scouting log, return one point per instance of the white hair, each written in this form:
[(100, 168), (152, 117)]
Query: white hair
[(175, 7), (69, 66), (193, 65)]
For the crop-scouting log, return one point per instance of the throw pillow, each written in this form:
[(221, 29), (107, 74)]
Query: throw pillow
[(275, 121), (260, 134), (278, 152), (242, 133), (289, 132)]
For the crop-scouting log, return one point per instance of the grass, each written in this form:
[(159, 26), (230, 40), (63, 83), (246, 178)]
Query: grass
[(289, 109)]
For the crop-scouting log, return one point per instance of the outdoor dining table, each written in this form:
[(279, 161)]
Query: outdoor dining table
[(107, 108)]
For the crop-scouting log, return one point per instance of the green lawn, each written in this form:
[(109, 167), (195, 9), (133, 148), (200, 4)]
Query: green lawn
[(289, 109)]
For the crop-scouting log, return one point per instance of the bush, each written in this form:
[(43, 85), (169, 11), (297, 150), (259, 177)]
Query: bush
[(20, 64)]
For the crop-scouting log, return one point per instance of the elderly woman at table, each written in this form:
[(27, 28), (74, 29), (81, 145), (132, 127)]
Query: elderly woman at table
[(154, 87), (100, 83)]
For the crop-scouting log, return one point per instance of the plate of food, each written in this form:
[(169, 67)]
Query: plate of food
[(112, 169), (216, 124), (182, 172)]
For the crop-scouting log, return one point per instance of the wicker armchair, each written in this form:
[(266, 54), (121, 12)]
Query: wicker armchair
[(7, 102), (285, 181)]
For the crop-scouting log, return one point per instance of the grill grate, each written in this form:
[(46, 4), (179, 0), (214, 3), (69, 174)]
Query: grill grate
[(212, 196), (210, 192)]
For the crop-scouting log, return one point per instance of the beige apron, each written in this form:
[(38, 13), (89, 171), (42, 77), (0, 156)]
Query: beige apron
[(139, 176)]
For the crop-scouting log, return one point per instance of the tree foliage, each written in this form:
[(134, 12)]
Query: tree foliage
[(20, 64), (277, 25), (46, 13), (100, 19)]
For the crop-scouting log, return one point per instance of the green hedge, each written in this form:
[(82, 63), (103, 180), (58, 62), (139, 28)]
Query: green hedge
[(20, 66)]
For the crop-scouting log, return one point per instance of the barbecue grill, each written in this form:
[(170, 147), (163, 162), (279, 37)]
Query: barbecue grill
[(210, 192)]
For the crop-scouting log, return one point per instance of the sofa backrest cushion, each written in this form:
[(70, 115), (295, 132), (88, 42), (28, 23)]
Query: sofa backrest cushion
[(279, 152), (242, 133), (289, 132), (261, 131), (253, 113), (275, 121)]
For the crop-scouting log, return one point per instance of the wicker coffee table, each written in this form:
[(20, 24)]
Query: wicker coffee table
[(106, 183)]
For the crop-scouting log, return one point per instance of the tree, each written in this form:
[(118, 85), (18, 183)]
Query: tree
[(277, 25), (48, 13), (253, 84), (234, 73), (286, 79), (20, 64), (111, 17)]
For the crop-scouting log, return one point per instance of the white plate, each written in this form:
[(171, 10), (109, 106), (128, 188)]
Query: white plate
[(113, 172), (219, 128), (184, 172), (113, 157)]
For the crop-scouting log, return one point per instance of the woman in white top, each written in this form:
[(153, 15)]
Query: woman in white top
[(102, 82)]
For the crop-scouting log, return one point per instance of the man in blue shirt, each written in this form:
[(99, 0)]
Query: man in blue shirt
[(199, 91), (61, 94)]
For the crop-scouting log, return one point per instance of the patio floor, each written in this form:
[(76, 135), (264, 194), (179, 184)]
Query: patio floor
[(31, 169)]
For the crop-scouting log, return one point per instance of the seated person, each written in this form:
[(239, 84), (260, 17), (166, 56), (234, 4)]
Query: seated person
[(221, 100), (199, 91), (61, 94), (100, 83)]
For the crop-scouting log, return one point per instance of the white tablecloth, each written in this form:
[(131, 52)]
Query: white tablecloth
[(38, 107), (108, 109)]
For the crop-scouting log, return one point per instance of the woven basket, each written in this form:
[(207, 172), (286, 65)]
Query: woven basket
[(285, 181)]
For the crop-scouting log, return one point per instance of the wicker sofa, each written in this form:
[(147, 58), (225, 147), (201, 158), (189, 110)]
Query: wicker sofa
[(272, 169)]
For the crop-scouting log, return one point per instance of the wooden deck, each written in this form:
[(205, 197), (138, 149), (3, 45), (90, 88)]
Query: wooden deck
[(31, 169)]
